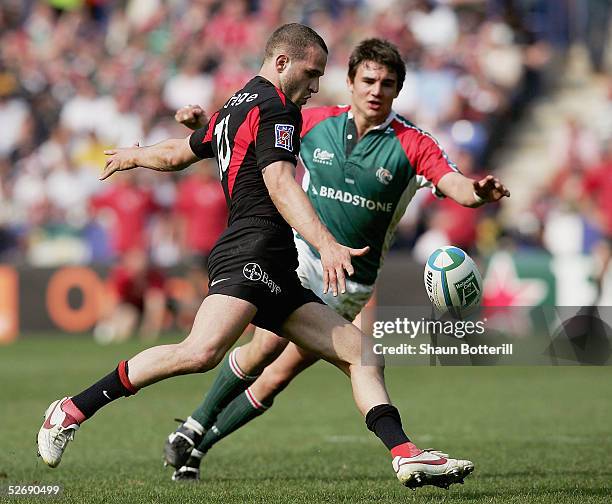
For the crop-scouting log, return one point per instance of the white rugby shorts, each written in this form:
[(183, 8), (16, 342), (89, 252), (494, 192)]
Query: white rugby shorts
[(310, 273)]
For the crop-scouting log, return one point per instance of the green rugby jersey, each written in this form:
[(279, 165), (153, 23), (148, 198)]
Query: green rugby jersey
[(360, 189)]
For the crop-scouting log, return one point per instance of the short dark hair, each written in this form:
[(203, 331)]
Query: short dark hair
[(296, 39), (380, 51)]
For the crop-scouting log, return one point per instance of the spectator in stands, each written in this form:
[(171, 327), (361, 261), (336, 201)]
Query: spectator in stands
[(85, 66), (140, 300), (129, 207), (201, 211), (597, 206)]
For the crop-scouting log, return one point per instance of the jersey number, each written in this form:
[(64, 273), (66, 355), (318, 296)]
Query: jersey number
[(223, 148)]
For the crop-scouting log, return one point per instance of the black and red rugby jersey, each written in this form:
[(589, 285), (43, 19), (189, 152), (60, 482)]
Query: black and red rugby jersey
[(257, 126)]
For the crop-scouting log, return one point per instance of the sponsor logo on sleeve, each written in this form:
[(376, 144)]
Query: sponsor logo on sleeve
[(284, 136)]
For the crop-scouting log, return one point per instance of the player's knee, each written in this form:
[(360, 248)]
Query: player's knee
[(201, 358), (208, 357)]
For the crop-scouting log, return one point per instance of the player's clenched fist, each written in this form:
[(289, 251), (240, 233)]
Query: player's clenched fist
[(192, 116), (336, 259)]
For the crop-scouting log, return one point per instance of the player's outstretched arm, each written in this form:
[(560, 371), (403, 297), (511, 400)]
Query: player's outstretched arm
[(169, 155), (472, 193), (293, 204)]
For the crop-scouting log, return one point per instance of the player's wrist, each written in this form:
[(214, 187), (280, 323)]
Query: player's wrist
[(478, 200), (327, 242)]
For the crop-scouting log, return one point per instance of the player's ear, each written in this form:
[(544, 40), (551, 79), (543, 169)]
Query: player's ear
[(282, 62)]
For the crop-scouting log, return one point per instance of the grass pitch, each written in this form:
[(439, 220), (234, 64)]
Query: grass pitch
[(535, 434)]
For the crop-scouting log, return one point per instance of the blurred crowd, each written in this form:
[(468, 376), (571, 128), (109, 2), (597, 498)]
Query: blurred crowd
[(80, 76), (571, 215)]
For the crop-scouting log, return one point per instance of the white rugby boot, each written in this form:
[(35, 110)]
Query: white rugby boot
[(57, 430), (431, 467)]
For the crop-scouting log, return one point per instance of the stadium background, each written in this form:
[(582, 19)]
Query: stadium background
[(518, 88)]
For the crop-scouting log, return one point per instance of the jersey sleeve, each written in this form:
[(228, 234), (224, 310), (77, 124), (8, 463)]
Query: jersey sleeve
[(314, 115), (429, 159), (278, 133), (200, 140), (425, 155)]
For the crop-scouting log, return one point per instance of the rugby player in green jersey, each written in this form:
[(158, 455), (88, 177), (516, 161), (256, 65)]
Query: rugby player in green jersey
[(363, 164)]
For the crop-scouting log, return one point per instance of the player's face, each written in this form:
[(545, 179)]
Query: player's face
[(300, 80), (373, 91)]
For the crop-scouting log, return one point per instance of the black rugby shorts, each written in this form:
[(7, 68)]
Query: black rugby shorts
[(255, 259)]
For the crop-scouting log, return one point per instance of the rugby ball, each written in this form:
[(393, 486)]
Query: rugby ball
[(453, 282)]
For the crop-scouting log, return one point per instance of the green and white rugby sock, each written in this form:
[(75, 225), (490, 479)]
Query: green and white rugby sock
[(239, 412), (229, 383)]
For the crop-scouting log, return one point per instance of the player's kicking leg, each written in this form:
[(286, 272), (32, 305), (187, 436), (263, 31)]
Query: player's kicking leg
[(218, 324), (310, 326), (237, 372)]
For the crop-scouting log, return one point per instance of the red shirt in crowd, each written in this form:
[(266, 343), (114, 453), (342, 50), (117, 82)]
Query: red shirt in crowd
[(132, 206), (459, 222), (201, 204), (131, 287), (597, 187)]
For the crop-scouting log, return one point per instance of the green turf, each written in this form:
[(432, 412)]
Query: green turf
[(535, 434)]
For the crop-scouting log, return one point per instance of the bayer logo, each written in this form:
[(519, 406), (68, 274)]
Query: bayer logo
[(252, 271)]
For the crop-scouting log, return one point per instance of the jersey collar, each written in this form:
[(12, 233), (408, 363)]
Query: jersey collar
[(381, 126), (283, 97)]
